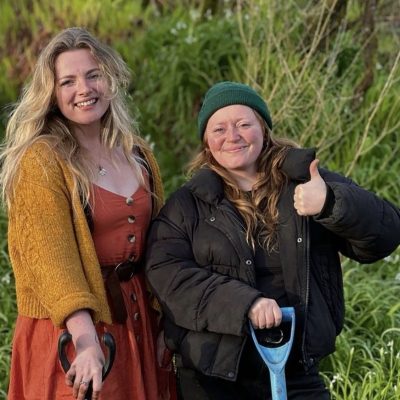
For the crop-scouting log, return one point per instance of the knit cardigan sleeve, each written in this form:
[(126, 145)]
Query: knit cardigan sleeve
[(42, 245)]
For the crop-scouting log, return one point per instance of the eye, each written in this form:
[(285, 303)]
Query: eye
[(94, 76), (244, 125), (218, 129), (67, 82)]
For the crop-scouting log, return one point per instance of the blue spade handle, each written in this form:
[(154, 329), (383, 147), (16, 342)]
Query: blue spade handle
[(275, 357)]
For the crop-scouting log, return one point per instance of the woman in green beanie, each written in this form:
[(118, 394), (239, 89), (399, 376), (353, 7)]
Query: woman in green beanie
[(259, 226)]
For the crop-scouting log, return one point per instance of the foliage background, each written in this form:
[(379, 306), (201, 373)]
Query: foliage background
[(329, 70)]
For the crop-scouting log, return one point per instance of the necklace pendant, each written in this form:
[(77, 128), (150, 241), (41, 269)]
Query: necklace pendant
[(102, 171)]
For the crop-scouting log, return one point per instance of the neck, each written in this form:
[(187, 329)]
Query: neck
[(88, 136), (244, 179), (89, 140)]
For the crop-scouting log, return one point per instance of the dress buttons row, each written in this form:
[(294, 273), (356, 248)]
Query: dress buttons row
[(131, 238)]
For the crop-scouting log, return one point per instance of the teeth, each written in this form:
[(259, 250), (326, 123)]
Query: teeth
[(86, 103)]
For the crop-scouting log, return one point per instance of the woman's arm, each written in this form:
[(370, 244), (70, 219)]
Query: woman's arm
[(368, 225), (193, 296), (42, 240)]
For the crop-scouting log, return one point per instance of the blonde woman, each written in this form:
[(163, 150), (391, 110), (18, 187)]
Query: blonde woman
[(258, 227), (80, 188)]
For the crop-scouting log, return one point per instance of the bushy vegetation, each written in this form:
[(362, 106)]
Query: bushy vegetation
[(329, 70)]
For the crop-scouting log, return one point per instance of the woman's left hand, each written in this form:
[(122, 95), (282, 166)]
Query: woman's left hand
[(89, 360), (309, 198), (87, 367)]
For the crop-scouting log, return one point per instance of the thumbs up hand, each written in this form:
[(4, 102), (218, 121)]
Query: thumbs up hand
[(309, 197)]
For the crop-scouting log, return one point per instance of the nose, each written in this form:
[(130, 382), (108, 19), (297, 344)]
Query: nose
[(84, 87), (232, 133)]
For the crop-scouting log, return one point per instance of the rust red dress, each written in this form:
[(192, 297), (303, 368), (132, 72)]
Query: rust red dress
[(120, 226)]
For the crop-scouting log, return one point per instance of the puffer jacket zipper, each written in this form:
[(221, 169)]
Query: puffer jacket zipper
[(230, 211)]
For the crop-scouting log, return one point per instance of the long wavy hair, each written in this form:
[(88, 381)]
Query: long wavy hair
[(36, 117), (260, 210)]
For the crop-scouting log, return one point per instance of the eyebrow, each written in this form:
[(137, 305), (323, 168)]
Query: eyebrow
[(235, 121), (73, 76)]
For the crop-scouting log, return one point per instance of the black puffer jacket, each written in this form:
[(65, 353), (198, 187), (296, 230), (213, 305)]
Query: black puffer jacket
[(202, 269)]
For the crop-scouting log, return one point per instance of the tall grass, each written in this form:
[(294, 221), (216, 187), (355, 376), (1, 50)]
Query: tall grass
[(308, 63), (367, 359), (311, 89), (8, 309), (174, 62)]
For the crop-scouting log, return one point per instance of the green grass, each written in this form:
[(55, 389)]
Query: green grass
[(367, 359), (8, 309), (306, 69)]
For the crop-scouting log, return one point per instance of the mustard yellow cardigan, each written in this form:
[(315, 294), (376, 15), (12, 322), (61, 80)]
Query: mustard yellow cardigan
[(51, 249)]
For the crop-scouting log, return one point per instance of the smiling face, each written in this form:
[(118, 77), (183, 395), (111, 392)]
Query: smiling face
[(235, 138), (80, 88)]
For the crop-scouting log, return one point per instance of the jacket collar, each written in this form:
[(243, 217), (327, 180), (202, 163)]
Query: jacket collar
[(208, 185), (296, 165)]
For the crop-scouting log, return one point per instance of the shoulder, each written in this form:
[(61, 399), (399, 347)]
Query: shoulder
[(180, 207), (39, 154), (296, 166), (207, 186), (40, 163), (180, 200)]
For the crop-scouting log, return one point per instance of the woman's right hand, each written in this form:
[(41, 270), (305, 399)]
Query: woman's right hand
[(89, 360), (265, 313)]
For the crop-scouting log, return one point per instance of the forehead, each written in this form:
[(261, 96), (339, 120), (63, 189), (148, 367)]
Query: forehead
[(232, 112), (74, 61)]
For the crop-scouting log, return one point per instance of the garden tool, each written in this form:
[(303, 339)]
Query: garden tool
[(275, 356), (108, 341)]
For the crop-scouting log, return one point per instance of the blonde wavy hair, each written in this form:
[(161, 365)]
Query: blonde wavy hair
[(36, 116), (260, 210)]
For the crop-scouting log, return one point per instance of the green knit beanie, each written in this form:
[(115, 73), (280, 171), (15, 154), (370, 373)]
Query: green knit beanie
[(226, 93)]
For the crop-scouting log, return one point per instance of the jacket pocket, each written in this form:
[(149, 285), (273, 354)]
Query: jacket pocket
[(198, 350)]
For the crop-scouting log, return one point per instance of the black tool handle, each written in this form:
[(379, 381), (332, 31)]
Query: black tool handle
[(109, 342)]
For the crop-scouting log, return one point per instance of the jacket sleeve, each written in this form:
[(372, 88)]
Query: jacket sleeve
[(368, 225), (42, 243), (192, 296)]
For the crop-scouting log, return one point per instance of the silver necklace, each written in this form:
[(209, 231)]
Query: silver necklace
[(102, 171)]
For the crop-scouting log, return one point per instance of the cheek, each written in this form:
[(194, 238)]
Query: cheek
[(61, 98), (214, 145), (258, 141), (259, 146), (103, 87)]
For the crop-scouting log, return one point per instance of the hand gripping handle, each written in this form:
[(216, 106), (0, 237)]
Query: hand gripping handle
[(108, 341)]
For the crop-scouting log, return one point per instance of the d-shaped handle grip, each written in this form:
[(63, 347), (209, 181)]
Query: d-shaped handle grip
[(108, 341)]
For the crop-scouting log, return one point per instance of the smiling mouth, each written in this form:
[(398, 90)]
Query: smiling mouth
[(86, 103), (236, 149)]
